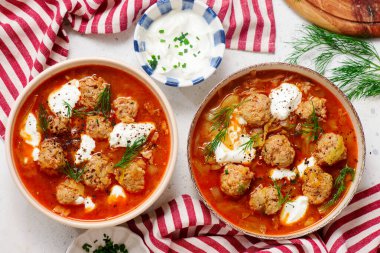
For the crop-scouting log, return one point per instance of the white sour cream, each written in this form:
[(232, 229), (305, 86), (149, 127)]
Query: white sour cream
[(68, 93), (176, 60), (116, 192), (236, 153), (87, 145), (89, 205), (284, 100), (30, 132), (294, 211), (278, 174), (35, 154), (123, 134), (308, 162)]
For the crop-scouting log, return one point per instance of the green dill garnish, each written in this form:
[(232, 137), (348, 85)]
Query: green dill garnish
[(226, 172), (108, 247), (358, 71), (80, 112), (312, 127), (161, 31), (339, 186), (281, 198), (104, 102), (131, 152), (43, 118), (72, 172), (153, 62), (86, 247), (251, 143), (220, 122)]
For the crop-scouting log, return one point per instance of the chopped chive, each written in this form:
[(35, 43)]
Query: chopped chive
[(180, 53), (185, 50), (175, 66), (197, 38), (161, 31), (169, 46), (184, 65), (158, 57), (163, 68), (199, 52), (176, 46), (195, 55), (191, 46), (162, 40), (186, 42)]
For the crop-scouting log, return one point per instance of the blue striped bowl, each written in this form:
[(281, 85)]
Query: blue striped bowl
[(163, 7)]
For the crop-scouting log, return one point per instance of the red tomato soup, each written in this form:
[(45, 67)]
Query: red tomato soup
[(271, 149), (91, 143)]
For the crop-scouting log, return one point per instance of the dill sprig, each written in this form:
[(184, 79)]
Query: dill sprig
[(43, 118), (131, 152), (281, 198), (339, 186), (357, 74), (312, 127), (220, 120), (104, 102), (72, 172), (80, 112), (108, 247), (251, 143)]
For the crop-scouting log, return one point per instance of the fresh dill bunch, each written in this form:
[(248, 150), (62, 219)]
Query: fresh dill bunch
[(251, 143), (357, 74), (281, 198), (340, 187), (312, 127), (103, 104), (131, 152), (43, 118), (72, 172), (220, 120)]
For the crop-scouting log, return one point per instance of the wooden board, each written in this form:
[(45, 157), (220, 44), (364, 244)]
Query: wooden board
[(350, 17)]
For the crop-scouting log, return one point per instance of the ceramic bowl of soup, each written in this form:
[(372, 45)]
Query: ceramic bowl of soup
[(91, 142), (276, 151)]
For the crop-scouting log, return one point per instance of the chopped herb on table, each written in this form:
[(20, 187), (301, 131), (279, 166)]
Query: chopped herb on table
[(358, 74), (108, 247)]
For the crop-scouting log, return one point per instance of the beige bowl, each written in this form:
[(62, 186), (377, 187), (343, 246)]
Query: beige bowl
[(355, 121), (104, 62)]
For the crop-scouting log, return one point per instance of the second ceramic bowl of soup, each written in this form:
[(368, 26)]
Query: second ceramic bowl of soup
[(267, 145)]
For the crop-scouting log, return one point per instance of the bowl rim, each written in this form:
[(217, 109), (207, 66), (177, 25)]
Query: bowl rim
[(355, 121), (136, 73), (163, 78)]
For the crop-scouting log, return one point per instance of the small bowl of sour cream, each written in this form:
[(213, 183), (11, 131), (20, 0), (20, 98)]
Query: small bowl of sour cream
[(179, 43)]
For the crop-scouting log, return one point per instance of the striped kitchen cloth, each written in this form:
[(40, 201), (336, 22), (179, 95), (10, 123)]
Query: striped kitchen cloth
[(186, 225), (32, 37)]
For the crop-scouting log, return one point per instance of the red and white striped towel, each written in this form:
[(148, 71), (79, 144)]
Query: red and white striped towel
[(186, 225), (32, 37)]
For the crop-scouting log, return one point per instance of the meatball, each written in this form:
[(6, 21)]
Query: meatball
[(98, 127), (69, 191), (132, 178), (97, 172), (330, 149), (58, 125), (264, 199), (90, 88), (51, 158), (317, 185), (126, 109), (235, 179), (277, 151), (255, 109), (305, 109)]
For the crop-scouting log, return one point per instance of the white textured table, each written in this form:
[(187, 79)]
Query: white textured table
[(24, 229)]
